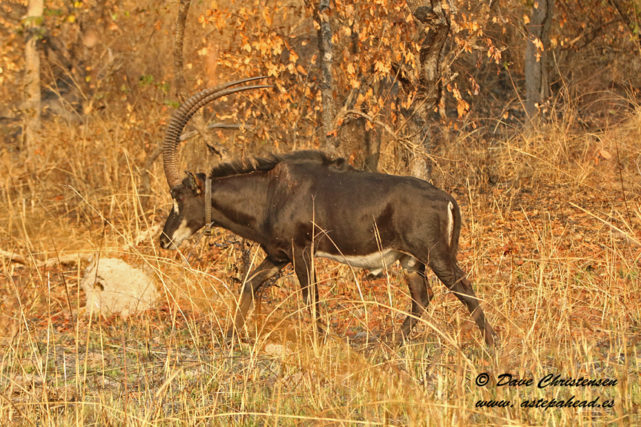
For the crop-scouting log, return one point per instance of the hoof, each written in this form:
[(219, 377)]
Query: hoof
[(491, 338), (232, 335)]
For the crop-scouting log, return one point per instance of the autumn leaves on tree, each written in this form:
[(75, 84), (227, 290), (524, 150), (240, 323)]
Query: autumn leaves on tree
[(371, 70), (353, 78)]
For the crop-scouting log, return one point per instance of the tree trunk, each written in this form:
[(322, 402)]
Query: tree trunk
[(33, 24), (433, 22), (372, 149), (179, 78), (370, 138), (536, 78), (325, 49)]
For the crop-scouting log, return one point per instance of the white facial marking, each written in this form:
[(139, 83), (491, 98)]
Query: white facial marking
[(374, 261), (176, 210), (181, 233)]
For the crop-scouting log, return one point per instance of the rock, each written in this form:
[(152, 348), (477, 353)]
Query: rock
[(113, 286)]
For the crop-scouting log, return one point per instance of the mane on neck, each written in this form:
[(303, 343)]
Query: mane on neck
[(264, 164)]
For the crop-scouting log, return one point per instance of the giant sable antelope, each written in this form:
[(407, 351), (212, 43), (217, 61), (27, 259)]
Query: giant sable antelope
[(304, 204)]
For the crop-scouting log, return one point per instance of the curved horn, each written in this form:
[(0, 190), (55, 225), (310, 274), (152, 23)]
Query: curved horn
[(182, 115)]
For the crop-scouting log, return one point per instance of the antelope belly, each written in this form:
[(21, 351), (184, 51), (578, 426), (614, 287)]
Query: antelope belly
[(374, 261)]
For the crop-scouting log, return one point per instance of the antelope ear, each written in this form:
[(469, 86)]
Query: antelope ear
[(193, 183)]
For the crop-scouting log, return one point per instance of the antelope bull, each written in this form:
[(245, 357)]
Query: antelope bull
[(304, 204)]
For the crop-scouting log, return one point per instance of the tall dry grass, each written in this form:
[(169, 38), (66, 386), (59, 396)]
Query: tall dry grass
[(551, 242)]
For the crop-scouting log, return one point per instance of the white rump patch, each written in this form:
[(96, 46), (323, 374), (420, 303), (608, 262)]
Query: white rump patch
[(450, 222)]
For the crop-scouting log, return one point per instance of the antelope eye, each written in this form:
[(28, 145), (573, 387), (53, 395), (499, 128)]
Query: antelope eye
[(177, 196)]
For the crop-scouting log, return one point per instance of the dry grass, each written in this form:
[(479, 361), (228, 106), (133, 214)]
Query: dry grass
[(551, 241)]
